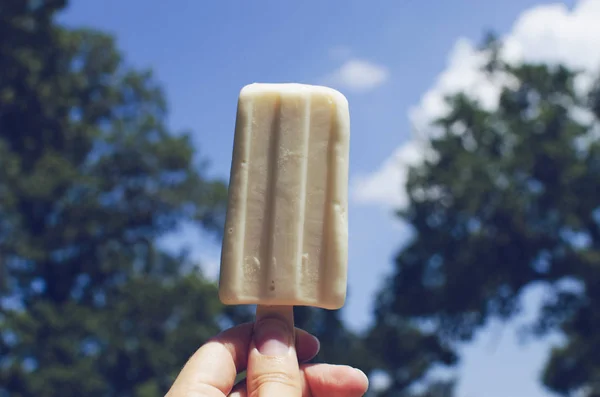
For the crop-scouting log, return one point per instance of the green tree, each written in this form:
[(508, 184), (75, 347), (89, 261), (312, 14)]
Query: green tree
[(404, 351), (432, 388), (90, 179), (339, 345), (509, 200)]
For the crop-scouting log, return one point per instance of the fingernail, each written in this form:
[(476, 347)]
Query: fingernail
[(272, 337)]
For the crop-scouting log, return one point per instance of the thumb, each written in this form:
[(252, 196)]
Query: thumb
[(272, 362)]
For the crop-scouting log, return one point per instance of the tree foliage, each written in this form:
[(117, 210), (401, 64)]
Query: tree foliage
[(90, 178), (508, 199), (339, 345)]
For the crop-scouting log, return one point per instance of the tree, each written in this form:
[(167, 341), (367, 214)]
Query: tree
[(339, 345), (90, 179), (507, 200)]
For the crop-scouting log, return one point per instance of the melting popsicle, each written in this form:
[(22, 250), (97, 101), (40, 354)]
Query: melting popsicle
[(286, 231)]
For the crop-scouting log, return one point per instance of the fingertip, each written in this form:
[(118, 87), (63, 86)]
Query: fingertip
[(236, 340), (239, 332), (335, 380), (307, 345), (362, 379), (215, 364)]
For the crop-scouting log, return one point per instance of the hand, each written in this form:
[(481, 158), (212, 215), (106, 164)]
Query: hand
[(265, 350)]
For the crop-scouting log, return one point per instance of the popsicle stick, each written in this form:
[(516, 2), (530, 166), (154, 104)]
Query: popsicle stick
[(283, 312)]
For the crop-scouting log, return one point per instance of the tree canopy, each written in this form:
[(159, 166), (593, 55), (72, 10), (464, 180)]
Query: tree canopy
[(90, 178), (507, 199)]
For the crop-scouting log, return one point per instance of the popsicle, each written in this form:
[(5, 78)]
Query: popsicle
[(286, 232)]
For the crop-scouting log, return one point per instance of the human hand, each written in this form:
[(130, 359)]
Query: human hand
[(272, 363)]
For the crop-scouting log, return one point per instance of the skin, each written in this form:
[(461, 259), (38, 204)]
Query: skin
[(212, 369)]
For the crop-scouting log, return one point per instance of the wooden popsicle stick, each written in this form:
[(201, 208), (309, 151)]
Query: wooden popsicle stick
[(285, 313)]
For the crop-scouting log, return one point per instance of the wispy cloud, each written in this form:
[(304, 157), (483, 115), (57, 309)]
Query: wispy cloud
[(358, 75), (548, 33)]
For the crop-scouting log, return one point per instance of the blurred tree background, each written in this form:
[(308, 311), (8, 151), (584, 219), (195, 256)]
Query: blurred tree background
[(91, 178), (507, 199)]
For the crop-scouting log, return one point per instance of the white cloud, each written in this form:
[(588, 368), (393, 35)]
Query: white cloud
[(462, 73), (386, 184), (358, 75), (553, 34), (547, 33)]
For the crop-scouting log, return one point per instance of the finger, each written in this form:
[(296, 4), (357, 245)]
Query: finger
[(272, 362), (307, 345), (211, 371), (326, 380), (323, 380), (237, 342), (212, 365)]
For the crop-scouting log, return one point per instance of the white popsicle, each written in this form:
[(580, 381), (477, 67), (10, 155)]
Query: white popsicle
[(286, 232)]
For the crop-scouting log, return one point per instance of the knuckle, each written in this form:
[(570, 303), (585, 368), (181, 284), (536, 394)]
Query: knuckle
[(262, 381)]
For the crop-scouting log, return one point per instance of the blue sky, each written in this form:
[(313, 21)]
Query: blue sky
[(394, 60)]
